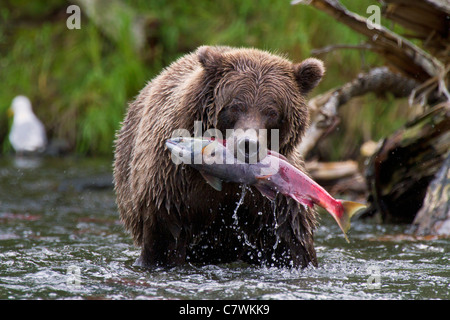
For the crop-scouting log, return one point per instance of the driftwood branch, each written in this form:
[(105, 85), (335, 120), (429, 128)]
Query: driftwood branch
[(427, 20), (324, 108), (399, 52), (333, 47)]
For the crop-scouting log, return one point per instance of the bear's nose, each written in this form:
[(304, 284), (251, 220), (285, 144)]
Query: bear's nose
[(248, 150)]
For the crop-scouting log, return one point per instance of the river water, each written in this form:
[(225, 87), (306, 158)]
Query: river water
[(60, 238)]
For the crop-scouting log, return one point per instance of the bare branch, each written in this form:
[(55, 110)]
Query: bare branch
[(327, 49), (428, 21), (398, 51)]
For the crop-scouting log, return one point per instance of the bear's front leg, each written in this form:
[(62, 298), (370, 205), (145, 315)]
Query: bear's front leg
[(161, 246)]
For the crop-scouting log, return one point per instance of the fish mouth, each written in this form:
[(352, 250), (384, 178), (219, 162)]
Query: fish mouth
[(178, 150), (171, 144), (186, 150), (175, 148)]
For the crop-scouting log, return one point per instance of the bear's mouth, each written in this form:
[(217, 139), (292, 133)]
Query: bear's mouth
[(248, 150)]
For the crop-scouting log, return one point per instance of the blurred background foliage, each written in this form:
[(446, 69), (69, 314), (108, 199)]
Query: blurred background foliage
[(80, 81)]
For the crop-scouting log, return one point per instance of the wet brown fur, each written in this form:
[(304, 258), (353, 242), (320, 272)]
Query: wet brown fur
[(171, 212)]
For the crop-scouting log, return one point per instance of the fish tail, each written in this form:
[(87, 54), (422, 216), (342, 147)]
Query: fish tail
[(350, 209)]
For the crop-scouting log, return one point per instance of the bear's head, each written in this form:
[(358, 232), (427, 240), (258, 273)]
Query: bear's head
[(252, 90)]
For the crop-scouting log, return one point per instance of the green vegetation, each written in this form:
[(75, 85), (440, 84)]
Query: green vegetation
[(80, 81)]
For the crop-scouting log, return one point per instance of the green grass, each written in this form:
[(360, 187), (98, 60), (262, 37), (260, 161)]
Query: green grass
[(80, 81)]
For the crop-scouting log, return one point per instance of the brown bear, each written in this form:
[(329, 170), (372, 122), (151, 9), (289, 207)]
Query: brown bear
[(171, 212)]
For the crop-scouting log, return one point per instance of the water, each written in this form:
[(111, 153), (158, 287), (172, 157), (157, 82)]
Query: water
[(60, 238)]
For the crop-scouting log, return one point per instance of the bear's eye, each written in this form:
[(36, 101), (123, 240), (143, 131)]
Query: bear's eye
[(235, 108), (272, 114)]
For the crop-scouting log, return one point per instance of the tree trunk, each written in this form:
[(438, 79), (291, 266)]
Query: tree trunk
[(434, 216), (400, 171)]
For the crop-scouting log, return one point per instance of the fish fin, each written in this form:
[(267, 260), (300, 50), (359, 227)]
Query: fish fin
[(263, 177), (214, 182), (350, 209), (302, 200), (266, 191), (209, 148)]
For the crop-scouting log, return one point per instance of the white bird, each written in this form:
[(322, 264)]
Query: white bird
[(27, 133)]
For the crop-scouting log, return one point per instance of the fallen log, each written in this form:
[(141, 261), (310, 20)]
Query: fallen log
[(331, 170), (339, 178)]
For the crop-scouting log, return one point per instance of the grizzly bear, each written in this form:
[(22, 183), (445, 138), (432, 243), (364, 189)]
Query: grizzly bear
[(170, 211)]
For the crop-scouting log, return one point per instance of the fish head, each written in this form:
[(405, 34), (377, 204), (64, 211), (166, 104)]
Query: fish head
[(185, 149)]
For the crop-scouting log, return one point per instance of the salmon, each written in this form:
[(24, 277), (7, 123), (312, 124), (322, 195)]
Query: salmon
[(272, 175)]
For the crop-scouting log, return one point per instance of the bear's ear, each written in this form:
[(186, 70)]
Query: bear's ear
[(308, 74), (210, 58)]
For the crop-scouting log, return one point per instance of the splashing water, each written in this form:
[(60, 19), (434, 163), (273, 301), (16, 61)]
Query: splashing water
[(238, 204), (235, 217), (275, 224)]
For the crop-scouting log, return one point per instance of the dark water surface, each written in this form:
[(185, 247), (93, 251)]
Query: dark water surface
[(60, 238)]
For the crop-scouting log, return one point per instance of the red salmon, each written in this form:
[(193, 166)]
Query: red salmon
[(271, 175)]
